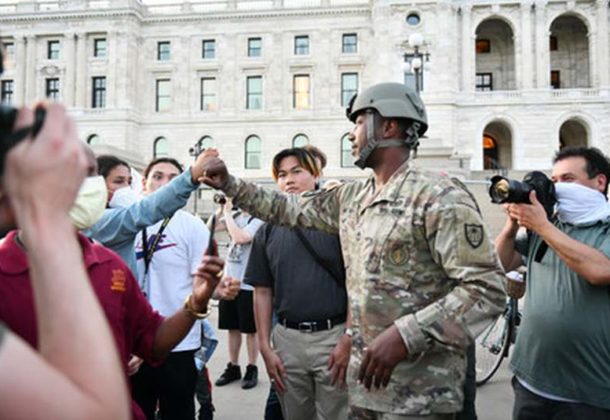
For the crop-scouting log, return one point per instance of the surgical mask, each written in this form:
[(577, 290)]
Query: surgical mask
[(90, 202), (123, 197), (578, 204)]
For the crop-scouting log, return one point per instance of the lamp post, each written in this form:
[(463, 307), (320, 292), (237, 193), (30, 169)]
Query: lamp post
[(416, 40), (194, 152)]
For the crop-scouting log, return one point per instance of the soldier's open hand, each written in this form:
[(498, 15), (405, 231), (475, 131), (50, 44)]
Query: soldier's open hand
[(380, 358)]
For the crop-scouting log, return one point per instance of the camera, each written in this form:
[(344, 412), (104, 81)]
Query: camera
[(504, 190), (8, 116), (220, 199)]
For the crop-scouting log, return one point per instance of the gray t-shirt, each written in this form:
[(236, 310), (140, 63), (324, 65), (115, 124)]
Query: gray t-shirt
[(563, 343), (302, 289), (238, 254)]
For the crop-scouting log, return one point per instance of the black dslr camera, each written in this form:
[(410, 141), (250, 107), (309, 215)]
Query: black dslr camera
[(220, 199), (8, 115), (504, 190)]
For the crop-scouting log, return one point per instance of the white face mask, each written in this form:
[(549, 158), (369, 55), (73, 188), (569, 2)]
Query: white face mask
[(123, 197), (90, 202), (578, 204)]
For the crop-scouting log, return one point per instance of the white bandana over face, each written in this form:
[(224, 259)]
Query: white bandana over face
[(577, 204)]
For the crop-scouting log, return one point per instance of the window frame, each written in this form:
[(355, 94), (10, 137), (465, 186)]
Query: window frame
[(156, 146), (347, 46), (347, 160), (208, 53), (98, 92), (296, 94), (203, 95), (249, 153), (7, 91), (159, 96), (52, 53), (556, 85), (252, 49), (99, 52), (345, 100), (301, 49), (252, 96), (483, 85), (52, 88), (162, 53)]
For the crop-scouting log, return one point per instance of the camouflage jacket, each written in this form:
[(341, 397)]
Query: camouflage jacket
[(417, 255)]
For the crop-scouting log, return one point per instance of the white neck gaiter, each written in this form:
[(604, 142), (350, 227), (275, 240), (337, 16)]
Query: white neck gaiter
[(577, 204)]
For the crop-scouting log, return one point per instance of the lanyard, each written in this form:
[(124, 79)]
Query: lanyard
[(149, 252)]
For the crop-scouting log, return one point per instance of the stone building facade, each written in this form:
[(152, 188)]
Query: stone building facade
[(506, 83)]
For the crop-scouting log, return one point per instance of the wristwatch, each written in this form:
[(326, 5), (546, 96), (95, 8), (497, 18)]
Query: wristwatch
[(349, 332), (192, 312)]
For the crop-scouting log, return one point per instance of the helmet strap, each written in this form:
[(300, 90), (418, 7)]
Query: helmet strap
[(371, 143)]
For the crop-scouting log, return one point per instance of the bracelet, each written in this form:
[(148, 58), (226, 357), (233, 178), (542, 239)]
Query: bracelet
[(193, 313)]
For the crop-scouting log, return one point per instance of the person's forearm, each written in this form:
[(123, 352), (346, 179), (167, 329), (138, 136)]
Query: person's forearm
[(586, 261), (239, 236), (263, 307), (67, 307), (171, 332), (505, 247)]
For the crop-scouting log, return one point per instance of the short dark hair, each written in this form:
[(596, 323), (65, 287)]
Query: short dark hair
[(106, 163), (306, 161), (156, 161), (597, 162)]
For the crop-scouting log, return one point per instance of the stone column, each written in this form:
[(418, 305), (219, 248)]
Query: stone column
[(80, 91), (468, 50), (70, 73), (527, 54), (29, 88), (543, 64), (20, 69), (593, 59), (602, 44), (112, 85)]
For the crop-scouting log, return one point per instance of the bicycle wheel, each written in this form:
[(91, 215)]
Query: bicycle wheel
[(491, 347)]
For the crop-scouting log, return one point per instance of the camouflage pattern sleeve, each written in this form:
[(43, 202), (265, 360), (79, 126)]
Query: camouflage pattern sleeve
[(458, 240), (317, 209)]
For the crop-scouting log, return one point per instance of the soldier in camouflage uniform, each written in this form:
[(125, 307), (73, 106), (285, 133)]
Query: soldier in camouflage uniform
[(422, 275)]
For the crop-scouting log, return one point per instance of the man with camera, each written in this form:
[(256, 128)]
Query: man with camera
[(421, 273), (560, 359)]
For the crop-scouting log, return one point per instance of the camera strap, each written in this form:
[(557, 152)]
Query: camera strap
[(149, 252)]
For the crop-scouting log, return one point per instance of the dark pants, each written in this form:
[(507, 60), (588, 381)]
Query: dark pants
[(203, 391), (273, 410), (470, 387), (172, 385), (529, 406)]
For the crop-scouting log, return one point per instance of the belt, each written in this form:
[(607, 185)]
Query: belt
[(313, 326)]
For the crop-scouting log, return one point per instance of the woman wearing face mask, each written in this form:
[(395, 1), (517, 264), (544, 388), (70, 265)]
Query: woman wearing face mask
[(126, 214)]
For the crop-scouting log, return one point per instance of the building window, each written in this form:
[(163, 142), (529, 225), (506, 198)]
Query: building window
[(301, 45), (255, 47), (53, 50), (164, 50), (409, 74), (98, 98), (208, 49), (99, 47), (300, 89), (6, 92), (483, 46), (300, 140), (253, 152), (347, 160), (52, 89), (349, 87), (163, 95), (483, 82), (553, 43), (555, 79), (205, 142), (413, 19), (349, 43), (9, 50), (160, 147), (93, 139), (254, 92), (208, 94)]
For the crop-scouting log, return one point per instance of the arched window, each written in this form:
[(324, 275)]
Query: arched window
[(205, 143), (160, 147), (300, 140), (253, 152), (347, 160), (93, 139)]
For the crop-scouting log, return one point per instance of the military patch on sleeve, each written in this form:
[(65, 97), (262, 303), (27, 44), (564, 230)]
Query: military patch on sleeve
[(398, 256), (474, 234)]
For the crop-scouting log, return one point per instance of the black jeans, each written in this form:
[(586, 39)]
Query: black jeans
[(273, 410), (172, 385), (203, 392), (529, 406)]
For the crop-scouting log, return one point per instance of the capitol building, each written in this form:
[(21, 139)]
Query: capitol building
[(506, 83)]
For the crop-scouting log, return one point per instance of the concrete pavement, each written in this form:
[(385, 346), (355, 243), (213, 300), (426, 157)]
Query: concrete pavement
[(494, 400)]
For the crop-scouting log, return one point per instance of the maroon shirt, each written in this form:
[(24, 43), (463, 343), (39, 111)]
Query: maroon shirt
[(132, 320)]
